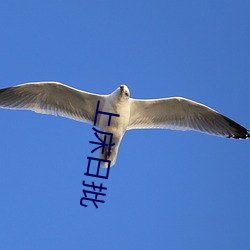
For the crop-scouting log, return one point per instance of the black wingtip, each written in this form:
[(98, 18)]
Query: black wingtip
[(239, 131), (248, 134)]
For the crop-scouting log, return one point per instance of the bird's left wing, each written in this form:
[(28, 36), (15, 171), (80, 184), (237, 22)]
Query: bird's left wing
[(182, 114), (52, 98)]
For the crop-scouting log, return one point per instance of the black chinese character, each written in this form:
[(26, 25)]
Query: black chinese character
[(103, 143), (94, 200), (104, 113), (98, 168)]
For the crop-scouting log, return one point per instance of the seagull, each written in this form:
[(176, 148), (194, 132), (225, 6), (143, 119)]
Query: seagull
[(175, 113)]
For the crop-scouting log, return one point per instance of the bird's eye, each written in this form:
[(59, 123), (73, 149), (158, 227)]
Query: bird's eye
[(126, 93)]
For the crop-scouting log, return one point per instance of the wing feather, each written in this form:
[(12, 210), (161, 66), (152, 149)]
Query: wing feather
[(182, 114), (52, 98)]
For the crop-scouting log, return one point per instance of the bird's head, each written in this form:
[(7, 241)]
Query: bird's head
[(121, 93), (124, 91)]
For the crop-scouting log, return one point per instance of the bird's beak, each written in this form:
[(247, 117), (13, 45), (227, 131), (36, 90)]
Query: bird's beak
[(122, 88)]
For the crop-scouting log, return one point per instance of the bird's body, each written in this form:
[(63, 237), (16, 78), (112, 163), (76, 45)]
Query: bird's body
[(115, 105), (167, 113)]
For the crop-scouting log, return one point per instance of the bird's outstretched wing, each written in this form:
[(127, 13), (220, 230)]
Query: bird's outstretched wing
[(52, 98), (182, 114)]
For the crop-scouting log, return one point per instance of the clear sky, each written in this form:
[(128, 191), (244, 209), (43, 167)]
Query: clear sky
[(169, 189)]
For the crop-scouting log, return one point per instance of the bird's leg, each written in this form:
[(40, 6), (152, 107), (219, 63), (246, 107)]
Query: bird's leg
[(108, 156)]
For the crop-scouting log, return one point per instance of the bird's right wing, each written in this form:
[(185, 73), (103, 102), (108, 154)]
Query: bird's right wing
[(52, 98), (182, 114)]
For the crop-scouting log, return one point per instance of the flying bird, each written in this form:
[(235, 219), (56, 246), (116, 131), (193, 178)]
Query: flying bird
[(175, 113)]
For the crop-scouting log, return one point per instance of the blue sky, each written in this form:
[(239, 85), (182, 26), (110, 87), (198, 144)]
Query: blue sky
[(169, 189)]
